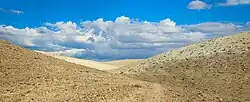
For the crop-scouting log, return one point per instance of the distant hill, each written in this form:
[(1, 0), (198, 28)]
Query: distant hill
[(124, 63), (88, 63)]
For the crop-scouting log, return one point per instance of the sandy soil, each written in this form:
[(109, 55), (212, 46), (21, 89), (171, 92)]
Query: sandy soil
[(216, 70), (88, 63), (30, 76), (124, 63), (213, 70), (109, 65)]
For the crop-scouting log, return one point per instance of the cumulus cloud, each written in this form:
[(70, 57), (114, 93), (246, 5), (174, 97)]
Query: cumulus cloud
[(234, 2), (17, 12), (248, 24), (214, 28), (70, 52), (198, 5), (123, 38)]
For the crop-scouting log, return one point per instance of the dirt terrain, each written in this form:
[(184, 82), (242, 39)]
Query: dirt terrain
[(213, 70), (88, 63), (108, 65), (31, 76), (124, 63), (216, 70)]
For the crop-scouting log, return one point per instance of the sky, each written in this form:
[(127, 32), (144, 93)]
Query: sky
[(118, 29)]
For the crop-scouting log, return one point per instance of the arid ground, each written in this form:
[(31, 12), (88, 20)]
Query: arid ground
[(216, 70)]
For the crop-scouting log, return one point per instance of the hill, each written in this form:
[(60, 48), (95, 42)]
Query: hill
[(124, 63), (88, 63), (31, 76), (216, 70), (213, 70)]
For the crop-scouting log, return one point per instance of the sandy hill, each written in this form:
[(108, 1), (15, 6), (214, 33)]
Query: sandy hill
[(109, 65), (213, 70), (216, 70), (124, 63), (31, 76), (88, 63)]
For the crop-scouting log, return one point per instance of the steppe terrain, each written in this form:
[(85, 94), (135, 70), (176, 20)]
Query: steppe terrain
[(124, 63), (213, 70), (88, 63), (216, 70), (108, 65), (32, 76)]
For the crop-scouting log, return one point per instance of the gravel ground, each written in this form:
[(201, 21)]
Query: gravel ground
[(30, 76), (213, 70), (216, 70)]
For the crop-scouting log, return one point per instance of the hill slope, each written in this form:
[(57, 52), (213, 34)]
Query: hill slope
[(124, 63), (217, 69), (32, 76), (213, 70), (88, 63)]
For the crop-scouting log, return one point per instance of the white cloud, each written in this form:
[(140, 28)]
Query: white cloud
[(106, 40), (70, 52), (198, 5), (68, 27), (213, 28), (122, 19), (18, 12), (248, 24), (234, 2)]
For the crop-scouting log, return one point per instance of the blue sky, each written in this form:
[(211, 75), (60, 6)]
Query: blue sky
[(126, 25), (36, 12)]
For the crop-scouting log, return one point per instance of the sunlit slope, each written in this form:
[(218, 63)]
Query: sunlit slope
[(124, 63), (217, 68), (88, 63), (31, 76)]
